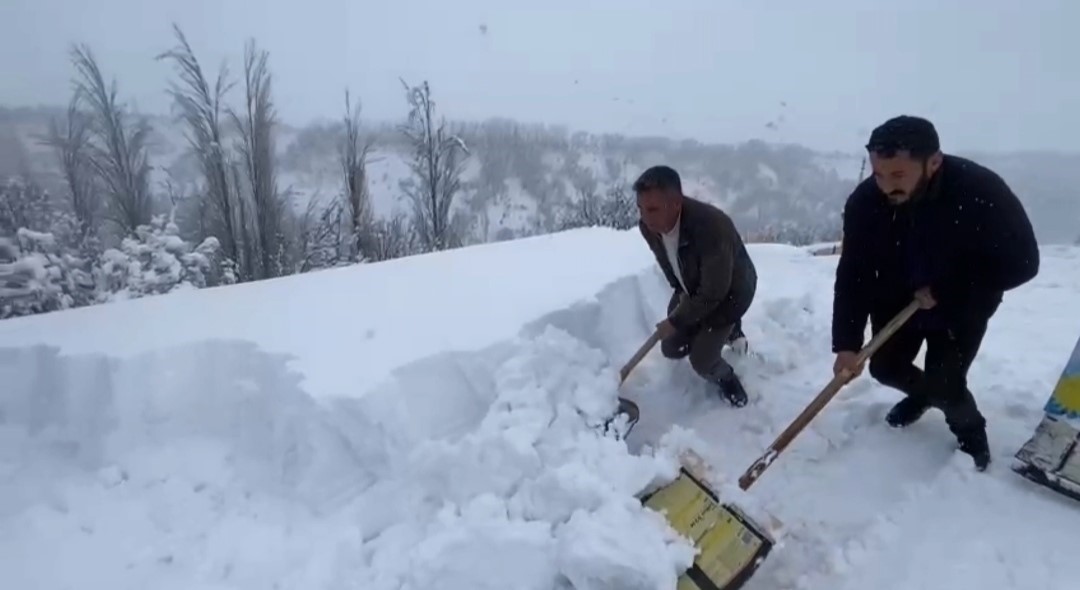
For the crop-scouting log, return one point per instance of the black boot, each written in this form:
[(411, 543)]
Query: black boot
[(973, 442), (969, 427), (732, 390), (906, 412)]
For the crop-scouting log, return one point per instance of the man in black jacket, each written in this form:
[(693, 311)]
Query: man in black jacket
[(943, 230)]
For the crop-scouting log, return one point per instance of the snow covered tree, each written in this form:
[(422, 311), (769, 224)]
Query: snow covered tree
[(321, 236), (353, 157), (437, 161), (256, 123), (391, 238), (70, 141), (24, 205), (201, 107), (614, 208), (118, 152)]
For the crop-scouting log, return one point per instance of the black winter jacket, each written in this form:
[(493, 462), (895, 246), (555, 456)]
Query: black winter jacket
[(968, 238)]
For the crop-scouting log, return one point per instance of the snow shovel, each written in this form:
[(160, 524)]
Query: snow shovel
[(818, 403), (627, 407), (731, 545)]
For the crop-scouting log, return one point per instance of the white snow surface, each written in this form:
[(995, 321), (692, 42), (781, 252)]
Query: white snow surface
[(425, 423)]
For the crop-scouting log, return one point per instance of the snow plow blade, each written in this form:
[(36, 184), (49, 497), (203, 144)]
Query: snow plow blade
[(730, 544), (1051, 457)]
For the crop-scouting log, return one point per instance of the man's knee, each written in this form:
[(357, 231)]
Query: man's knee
[(884, 370), (707, 360), (675, 347), (704, 360)]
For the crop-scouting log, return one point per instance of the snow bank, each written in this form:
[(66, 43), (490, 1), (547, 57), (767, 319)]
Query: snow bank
[(511, 469), (347, 328), (184, 457), (208, 464), (211, 453), (199, 464)]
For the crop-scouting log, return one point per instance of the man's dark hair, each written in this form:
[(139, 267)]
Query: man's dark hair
[(664, 178), (913, 134)]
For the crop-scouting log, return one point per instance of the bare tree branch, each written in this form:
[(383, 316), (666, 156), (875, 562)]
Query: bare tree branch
[(70, 141), (437, 163), (119, 156), (391, 238), (353, 154), (201, 108), (255, 124)]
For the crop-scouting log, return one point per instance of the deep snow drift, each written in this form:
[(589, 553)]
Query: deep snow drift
[(425, 422)]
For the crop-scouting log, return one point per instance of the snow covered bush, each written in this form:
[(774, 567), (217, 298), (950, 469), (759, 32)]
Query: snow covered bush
[(156, 260), (37, 275)]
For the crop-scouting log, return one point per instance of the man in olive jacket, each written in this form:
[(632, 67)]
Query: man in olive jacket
[(703, 257)]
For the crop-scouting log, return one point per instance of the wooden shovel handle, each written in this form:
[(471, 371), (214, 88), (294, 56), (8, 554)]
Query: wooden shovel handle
[(640, 354), (754, 471)]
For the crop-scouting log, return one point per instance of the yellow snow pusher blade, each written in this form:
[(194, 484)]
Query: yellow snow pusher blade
[(731, 544)]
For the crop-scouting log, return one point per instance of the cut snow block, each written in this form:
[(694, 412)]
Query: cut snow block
[(730, 544), (1051, 457)]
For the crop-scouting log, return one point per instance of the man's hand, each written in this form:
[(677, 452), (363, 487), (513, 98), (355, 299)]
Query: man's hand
[(926, 300), (665, 329), (846, 361)]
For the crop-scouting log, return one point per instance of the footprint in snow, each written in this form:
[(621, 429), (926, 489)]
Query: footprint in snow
[(1021, 411), (752, 428)]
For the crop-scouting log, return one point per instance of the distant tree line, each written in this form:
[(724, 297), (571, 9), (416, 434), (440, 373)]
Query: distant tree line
[(112, 236), (122, 228)]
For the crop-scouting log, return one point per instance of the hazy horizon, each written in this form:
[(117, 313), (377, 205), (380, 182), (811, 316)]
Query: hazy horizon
[(999, 79)]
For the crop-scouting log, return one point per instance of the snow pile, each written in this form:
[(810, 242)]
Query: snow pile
[(346, 329), (185, 458), (419, 423), (515, 472), (208, 464)]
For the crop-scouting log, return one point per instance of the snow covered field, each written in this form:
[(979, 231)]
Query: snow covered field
[(424, 423)]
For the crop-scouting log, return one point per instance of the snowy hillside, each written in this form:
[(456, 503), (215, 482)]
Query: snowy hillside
[(423, 422), (518, 180)]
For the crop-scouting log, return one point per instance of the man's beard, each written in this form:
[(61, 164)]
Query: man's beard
[(916, 193)]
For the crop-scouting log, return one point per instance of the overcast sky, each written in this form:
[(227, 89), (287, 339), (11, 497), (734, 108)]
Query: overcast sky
[(992, 74)]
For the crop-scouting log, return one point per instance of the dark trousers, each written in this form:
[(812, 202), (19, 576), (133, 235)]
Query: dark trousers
[(943, 381), (704, 346)]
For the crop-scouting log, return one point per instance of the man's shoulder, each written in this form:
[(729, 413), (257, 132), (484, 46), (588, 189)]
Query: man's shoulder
[(969, 178), (963, 167), (703, 213), (865, 196)]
